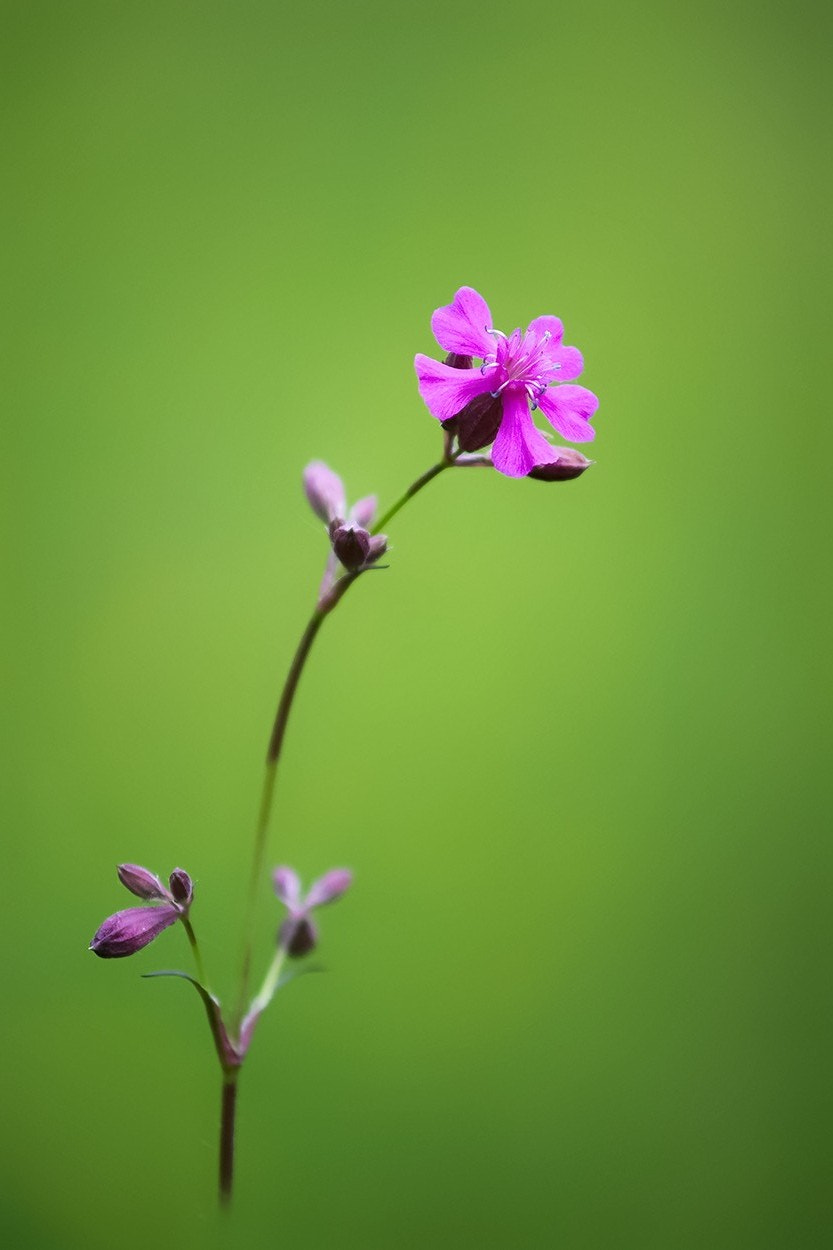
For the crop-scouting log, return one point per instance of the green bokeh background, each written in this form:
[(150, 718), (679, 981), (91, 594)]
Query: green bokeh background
[(571, 742)]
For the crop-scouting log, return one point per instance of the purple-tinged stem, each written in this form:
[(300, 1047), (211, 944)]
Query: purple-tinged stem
[(227, 1114)]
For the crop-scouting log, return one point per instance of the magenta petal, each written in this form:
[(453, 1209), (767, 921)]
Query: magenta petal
[(445, 390), (549, 325), (570, 363), (329, 887), (519, 446), (462, 326), (128, 931), (569, 409), (287, 887)]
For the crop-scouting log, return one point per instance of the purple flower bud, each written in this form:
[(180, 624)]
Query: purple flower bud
[(478, 423), (128, 931), (141, 882), (329, 887), (182, 888), (324, 490), (378, 547), (351, 544), (570, 464), (298, 935), (454, 361)]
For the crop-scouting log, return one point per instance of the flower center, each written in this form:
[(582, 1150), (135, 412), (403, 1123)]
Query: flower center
[(522, 361)]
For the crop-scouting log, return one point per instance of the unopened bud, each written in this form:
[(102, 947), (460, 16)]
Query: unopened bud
[(182, 887), (324, 490), (477, 424), (458, 362), (351, 544), (128, 931), (378, 547), (570, 464), (298, 936), (141, 882)]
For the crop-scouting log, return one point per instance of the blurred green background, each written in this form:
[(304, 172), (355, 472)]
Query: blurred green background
[(572, 742)]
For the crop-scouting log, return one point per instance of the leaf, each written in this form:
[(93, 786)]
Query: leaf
[(228, 1054)]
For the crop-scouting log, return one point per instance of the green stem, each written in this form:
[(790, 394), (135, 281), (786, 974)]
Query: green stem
[(323, 609), (412, 490), (192, 938)]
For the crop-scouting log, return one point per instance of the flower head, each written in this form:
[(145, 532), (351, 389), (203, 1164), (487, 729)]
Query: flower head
[(298, 934), (490, 403), (352, 544), (128, 931)]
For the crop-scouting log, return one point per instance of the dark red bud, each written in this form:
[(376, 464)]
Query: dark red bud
[(479, 422), (458, 362), (351, 544), (570, 464), (182, 887), (298, 936)]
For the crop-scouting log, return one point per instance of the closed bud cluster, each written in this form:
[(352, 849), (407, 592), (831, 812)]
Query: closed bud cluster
[(126, 932)]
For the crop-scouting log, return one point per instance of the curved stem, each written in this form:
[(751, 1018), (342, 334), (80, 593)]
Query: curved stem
[(323, 609), (416, 486), (272, 759)]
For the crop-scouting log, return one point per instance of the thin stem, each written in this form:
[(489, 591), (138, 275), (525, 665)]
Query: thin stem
[(227, 1115), (411, 491), (192, 938), (323, 609), (270, 776)]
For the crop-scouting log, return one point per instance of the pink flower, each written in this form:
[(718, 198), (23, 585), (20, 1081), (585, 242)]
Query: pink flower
[(491, 402)]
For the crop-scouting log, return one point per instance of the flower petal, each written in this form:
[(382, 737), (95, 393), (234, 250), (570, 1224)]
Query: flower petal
[(128, 931), (570, 363), (463, 325), (519, 447), (549, 325), (363, 512), (446, 390), (329, 887), (287, 887), (324, 490), (569, 409)]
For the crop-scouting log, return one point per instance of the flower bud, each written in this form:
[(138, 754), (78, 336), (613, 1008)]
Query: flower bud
[(570, 464), (378, 547), (477, 424), (128, 931), (329, 887), (298, 936), (458, 362), (182, 887), (351, 544), (141, 882), (324, 490)]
